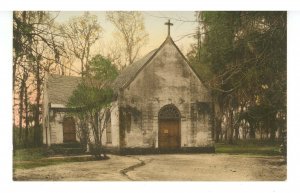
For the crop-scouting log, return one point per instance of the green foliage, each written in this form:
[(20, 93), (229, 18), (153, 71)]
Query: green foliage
[(29, 154), (94, 92), (250, 147), (22, 142), (257, 113), (37, 157), (97, 151), (241, 56), (92, 99), (24, 26), (243, 48), (36, 50), (218, 49), (102, 69)]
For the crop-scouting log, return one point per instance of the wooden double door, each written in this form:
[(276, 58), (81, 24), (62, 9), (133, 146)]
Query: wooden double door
[(169, 134)]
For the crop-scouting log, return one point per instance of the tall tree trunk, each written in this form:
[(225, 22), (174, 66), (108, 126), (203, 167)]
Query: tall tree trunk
[(244, 131), (37, 106), (226, 133), (236, 132), (252, 131), (218, 113), (14, 74), (26, 118), (21, 105), (217, 131), (221, 135), (279, 130), (97, 136), (230, 126), (82, 66), (261, 132), (272, 129)]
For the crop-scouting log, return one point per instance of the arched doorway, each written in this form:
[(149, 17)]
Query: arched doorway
[(69, 130), (169, 127)]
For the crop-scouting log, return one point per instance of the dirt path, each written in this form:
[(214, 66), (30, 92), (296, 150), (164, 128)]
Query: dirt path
[(180, 167), (210, 167), (104, 170)]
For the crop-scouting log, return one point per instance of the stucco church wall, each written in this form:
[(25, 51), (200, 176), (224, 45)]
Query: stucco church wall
[(201, 123), (114, 126), (167, 79)]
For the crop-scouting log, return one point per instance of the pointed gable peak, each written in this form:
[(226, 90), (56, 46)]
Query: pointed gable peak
[(130, 72)]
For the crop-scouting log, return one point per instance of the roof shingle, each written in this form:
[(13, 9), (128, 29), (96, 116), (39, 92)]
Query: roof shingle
[(131, 71), (60, 88)]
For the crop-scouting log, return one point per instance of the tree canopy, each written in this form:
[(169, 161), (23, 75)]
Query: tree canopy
[(92, 100), (242, 57), (130, 33), (94, 91)]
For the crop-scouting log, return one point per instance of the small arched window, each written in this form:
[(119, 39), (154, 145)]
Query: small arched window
[(169, 112)]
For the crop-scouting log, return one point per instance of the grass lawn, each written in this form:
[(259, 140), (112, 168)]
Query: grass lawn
[(29, 154), (31, 158), (250, 147), (37, 157)]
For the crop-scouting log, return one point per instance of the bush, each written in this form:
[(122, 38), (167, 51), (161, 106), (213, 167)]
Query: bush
[(20, 142), (97, 151), (255, 147)]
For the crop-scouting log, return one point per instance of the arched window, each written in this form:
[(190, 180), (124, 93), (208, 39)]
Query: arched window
[(169, 112)]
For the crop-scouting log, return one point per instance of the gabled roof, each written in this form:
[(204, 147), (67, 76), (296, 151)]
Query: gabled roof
[(60, 88), (129, 73)]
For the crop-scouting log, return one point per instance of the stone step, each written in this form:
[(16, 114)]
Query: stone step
[(67, 151), (67, 148)]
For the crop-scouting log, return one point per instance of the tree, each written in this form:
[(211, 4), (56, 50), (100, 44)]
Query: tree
[(36, 47), (92, 99), (80, 34), (130, 32), (242, 58)]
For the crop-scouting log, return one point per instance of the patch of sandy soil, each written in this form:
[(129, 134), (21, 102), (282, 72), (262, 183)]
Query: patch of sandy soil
[(210, 167), (167, 167)]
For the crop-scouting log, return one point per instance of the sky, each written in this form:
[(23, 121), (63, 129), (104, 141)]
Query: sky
[(183, 24)]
